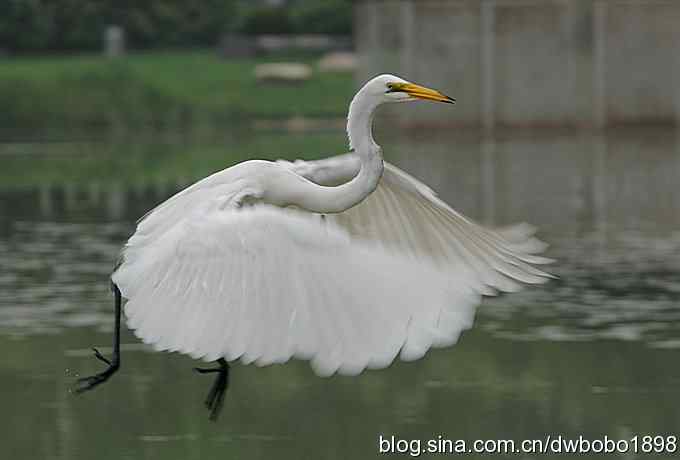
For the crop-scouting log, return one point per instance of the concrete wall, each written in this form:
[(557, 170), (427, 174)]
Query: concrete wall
[(529, 62)]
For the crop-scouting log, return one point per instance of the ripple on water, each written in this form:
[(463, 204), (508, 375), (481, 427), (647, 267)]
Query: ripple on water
[(615, 288), (56, 276), (626, 288)]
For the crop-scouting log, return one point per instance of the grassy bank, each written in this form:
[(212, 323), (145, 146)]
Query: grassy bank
[(157, 88)]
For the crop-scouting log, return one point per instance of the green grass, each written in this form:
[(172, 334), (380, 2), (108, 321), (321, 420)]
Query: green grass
[(158, 88)]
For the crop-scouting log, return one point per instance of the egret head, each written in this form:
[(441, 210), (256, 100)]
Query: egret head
[(377, 91), (391, 88)]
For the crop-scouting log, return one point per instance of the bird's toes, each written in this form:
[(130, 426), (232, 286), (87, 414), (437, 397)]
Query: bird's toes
[(215, 413), (214, 405), (87, 383), (100, 357), (84, 384), (209, 402), (202, 370)]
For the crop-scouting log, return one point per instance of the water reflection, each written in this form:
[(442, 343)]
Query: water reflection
[(590, 353), (570, 184)]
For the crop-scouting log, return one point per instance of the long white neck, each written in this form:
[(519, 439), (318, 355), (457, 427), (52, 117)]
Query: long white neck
[(360, 121), (321, 199)]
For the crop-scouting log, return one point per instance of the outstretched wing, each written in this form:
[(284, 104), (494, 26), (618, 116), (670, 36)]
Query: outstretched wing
[(406, 216), (265, 284)]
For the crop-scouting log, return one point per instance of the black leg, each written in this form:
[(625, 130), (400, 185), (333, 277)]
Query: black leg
[(88, 383), (215, 399)]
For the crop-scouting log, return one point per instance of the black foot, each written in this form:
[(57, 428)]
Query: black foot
[(87, 383), (215, 399)]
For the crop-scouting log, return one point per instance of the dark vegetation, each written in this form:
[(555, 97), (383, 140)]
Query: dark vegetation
[(38, 26)]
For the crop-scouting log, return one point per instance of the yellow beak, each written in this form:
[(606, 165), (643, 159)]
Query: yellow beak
[(421, 92)]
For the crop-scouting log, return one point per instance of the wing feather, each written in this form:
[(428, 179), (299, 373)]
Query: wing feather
[(265, 284), (406, 216)]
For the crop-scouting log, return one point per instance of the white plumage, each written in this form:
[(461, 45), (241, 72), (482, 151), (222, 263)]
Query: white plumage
[(267, 261)]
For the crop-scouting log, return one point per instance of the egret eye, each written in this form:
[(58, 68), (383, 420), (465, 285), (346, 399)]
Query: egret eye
[(394, 87)]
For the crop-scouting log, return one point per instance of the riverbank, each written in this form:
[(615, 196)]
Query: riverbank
[(159, 88)]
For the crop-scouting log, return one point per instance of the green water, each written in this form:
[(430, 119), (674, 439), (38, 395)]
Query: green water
[(593, 353)]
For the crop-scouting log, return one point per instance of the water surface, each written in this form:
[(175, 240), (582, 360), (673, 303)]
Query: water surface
[(594, 352)]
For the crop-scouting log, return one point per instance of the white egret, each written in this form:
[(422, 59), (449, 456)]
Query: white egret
[(347, 262)]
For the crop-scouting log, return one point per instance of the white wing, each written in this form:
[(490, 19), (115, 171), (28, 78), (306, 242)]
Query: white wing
[(406, 216), (399, 273), (265, 284)]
